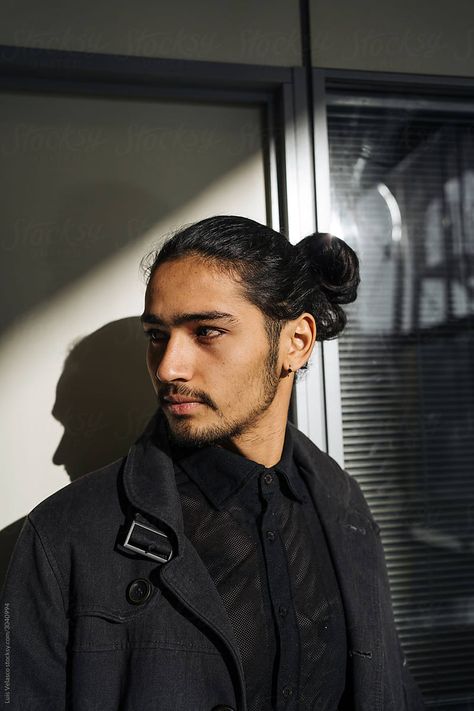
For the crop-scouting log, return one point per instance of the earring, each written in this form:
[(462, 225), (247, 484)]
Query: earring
[(290, 370)]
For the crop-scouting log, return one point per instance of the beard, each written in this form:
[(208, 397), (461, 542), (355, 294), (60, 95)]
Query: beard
[(182, 433)]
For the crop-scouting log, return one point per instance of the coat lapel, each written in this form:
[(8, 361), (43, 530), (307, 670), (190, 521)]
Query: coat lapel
[(354, 546), (188, 579)]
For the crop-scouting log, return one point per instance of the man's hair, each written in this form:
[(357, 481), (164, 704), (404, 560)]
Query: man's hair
[(316, 275)]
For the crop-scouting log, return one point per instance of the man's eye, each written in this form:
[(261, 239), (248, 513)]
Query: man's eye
[(202, 332), (155, 336), (207, 332)]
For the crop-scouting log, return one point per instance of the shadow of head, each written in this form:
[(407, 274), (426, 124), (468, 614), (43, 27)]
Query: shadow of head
[(104, 398)]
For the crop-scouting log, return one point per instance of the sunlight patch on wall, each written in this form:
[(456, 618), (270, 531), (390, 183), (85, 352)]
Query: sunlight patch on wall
[(33, 350)]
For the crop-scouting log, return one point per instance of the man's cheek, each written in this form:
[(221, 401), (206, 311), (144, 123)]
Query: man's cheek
[(152, 378)]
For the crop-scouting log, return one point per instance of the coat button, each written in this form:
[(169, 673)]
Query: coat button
[(139, 591), (222, 707)]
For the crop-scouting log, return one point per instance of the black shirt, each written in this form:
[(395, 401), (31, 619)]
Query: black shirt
[(258, 533)]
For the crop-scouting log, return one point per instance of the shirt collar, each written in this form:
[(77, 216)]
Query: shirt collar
[(221, 473)]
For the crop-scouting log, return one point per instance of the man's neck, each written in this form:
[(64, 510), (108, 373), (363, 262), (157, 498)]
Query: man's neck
[(262, 443)]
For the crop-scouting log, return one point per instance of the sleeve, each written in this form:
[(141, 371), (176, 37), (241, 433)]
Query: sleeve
[(35, 628)]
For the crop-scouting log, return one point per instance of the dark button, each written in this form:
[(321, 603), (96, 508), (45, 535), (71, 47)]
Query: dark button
[(271, 535), (268, 478), (282, 611), (139, 591), (287, 691), (222, 707)]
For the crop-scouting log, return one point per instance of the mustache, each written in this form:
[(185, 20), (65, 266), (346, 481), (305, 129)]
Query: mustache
[(185, 392)]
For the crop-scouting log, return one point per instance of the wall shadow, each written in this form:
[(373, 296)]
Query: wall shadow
[(91, 222), (104, 400)]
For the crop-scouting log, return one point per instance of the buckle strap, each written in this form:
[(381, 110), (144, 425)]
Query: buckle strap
[(149, 541)]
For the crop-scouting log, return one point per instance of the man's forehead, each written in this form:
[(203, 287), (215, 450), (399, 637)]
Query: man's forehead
[(193, 270), (173, 301), (190, 284)]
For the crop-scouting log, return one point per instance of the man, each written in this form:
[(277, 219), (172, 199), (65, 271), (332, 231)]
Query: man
[(226, 562)]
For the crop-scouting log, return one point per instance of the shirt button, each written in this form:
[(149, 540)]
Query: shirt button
[(271, 535), (139, 591), (268, 478), (282, 611), (287, 691)]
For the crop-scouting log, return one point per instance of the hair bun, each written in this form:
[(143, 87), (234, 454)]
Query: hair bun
[(334, 264)]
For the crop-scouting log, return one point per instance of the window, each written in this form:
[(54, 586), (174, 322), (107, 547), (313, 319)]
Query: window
[(402, 195)]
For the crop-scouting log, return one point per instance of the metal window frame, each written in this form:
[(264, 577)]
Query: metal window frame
[(280, 92), (404, 91)]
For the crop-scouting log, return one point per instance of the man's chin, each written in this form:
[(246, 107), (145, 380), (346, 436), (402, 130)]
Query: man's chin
[(183, 432)]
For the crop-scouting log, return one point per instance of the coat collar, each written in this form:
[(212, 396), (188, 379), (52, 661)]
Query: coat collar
[(149, 481), (222, 474), (149, 478)]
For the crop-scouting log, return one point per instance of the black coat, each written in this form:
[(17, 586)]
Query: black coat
[(80, 637)]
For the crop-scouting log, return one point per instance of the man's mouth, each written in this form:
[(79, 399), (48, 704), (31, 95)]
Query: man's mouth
[(181, 405)]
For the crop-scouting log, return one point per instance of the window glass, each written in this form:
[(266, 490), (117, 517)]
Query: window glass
[(402, 192)]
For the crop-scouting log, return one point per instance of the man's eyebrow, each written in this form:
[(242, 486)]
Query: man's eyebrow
[(180, 319)]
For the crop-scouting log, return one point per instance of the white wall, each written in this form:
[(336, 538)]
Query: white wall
[(434, 37), (89, 186), (426, 37), (263, 32)]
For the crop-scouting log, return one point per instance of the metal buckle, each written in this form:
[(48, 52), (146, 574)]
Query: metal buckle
[(144, 551)]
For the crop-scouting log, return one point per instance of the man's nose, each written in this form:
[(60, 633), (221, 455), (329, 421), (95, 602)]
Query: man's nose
[(176, 361)]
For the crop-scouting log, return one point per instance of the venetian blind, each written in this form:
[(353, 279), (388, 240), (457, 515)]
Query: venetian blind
[(402, 183)]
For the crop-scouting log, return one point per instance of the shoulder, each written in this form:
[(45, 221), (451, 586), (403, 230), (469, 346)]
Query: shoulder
[(77, 528), (325, 474), (92, 497)]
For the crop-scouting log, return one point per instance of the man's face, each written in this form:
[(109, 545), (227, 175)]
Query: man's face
[(209, 355)]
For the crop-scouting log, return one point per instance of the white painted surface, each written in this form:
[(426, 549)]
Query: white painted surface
[(422, 37), (73, 186), (265, 32)]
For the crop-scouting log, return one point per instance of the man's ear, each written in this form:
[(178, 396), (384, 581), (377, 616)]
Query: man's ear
[(300, 339)]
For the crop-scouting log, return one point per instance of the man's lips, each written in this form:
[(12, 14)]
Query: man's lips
[(181, 405), (178, 399)]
